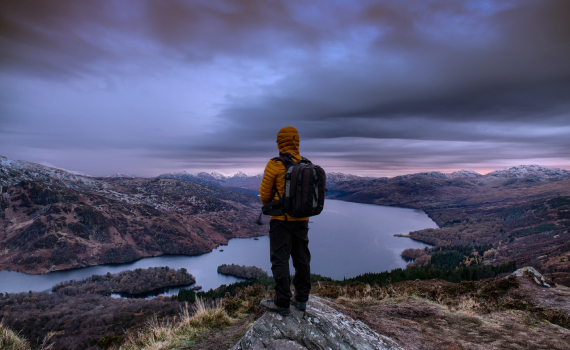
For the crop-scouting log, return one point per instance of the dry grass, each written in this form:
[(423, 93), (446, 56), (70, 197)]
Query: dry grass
[(467, 305), (490, 314), (182, 330), (12, 341)]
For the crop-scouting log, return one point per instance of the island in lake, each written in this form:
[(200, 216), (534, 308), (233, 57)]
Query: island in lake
[(136, 281), (249, 272)]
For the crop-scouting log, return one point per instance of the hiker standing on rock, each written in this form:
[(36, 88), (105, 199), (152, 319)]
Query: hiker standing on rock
[(292, 189)]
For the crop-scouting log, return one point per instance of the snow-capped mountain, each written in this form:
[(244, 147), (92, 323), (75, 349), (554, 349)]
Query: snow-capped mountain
[(216, 179), (430, 174), (535, 172), (241, 175), (531, 171), (334, 178), (200, 178), (217, 175)]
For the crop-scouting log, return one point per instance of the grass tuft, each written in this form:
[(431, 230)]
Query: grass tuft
[(9, 340), (209, 318), (184, 329)]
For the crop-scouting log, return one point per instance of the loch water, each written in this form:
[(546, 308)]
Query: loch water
[(346, 240)]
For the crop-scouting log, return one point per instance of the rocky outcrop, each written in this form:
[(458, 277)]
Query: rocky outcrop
[(319, 327), (529, 271)]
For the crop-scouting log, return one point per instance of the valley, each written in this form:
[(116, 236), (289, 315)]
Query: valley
[(54, 220)]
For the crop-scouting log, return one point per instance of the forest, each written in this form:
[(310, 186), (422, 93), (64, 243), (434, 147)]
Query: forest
[(242, 271), (522, 218), (382, 279), (449, 256), (59, 222), (78, 321), (411, 273), (127, 282)]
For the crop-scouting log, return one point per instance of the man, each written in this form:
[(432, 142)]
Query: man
[(288, 236)]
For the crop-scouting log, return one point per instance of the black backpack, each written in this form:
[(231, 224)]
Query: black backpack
[(304, 189)]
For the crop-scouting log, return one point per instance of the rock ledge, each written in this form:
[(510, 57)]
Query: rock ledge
[(319, 327)]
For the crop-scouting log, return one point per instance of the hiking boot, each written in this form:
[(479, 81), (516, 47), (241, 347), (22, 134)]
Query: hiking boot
[(300, 305), (269, 305)]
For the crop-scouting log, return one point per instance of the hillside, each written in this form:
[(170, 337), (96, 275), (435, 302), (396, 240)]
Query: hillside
[(419, 308), (520, 214), (52, 220)]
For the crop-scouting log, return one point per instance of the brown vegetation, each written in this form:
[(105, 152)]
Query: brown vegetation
[(522, 220), (127, 282), (498, 313), (78, 321), (242, 271), (46, 225)]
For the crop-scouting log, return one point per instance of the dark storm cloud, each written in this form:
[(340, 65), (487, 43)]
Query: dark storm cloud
[(201, 29), (45, 37), (522, 68), (518, 73), (64, 37), (378, 84)]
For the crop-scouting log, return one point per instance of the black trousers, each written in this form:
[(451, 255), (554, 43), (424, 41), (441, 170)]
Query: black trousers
[(290, 239)]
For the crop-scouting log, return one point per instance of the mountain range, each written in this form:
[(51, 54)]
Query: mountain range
[(252, 182)]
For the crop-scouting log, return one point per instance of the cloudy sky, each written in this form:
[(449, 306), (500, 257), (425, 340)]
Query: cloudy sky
[(374, 87)]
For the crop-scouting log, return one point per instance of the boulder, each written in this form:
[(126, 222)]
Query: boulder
[(532, 273), (320, 327)]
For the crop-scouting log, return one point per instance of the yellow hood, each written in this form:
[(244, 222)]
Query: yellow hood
[(288, 141)]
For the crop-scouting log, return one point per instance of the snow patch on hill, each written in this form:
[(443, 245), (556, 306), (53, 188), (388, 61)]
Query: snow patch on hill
[(465, 173), (20, 170), (531, 171), (535, 172), (122, 175)]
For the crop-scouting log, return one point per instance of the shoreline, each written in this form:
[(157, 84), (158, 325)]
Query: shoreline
[(219, 245), (151, 293), (165, 260), (413, 239), (129, 262)]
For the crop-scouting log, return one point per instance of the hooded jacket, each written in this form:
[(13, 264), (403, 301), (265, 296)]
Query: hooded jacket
[(274, 175)]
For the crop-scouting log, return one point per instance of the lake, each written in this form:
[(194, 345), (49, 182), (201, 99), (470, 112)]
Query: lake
[(346, 240)]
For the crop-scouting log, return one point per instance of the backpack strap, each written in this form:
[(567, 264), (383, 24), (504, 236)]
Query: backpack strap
[(278, 196), (276, 192), (286, 158)]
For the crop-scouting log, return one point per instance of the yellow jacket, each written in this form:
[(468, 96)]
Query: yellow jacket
[(274, 175)]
